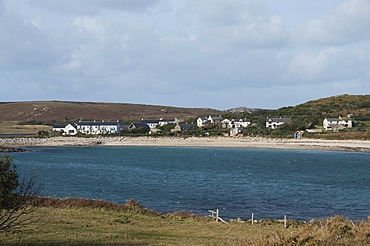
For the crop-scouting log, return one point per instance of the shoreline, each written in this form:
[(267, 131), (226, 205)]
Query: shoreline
[(226, 142)]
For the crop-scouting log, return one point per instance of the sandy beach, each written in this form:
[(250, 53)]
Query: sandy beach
[(228, 142)]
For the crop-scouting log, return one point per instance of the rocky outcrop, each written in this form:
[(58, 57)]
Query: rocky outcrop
[(4, 149)]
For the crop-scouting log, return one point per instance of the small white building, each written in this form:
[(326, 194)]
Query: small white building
[(101, 127), (335, 124), (161, 122), (213, 120), (65, 129), (239, 123), (274, 123), (202, 121)]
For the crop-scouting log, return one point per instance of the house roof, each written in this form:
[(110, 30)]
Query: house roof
[(203, 118), (139, 125), (333, 119), (216, 117), (60, 125), (187, 127), (98, 123)]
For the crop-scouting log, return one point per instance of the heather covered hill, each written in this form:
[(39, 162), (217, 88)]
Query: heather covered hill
[(46, 111), (357, 105)]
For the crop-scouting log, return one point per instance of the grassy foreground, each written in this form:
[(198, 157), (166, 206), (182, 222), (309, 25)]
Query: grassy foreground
[(86, 222)]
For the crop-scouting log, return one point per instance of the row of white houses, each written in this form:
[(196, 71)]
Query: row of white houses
[(107, 127), (224, 123), (329, 124), (238, 123), (235, 126)]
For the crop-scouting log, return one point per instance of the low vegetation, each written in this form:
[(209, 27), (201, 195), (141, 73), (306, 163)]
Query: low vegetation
[(22, 129), (94, 222), (16, 197)]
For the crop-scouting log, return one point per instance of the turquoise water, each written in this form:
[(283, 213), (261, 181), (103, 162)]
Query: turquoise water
[(270, 183)]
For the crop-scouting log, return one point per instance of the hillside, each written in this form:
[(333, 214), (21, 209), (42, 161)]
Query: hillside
[(59, 111), (313, 112), (358, 105)]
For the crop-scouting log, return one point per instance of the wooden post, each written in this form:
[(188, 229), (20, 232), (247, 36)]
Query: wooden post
[(252, 218), (285, 221), (368, 218), (217, 211)]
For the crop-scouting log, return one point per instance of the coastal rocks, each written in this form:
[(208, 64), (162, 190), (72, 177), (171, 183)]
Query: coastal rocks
[(4, 149)]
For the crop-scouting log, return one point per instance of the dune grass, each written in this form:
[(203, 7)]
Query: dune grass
[(88, 222)]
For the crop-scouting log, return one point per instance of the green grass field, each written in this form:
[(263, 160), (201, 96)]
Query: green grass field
[(92, 226), (14, 128), (88, 222)]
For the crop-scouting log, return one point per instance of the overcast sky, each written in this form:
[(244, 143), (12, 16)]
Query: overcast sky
[(208, 53)]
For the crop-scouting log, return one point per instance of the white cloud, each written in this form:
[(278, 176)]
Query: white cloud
[(329, 64), (166, 52), (349, 22)]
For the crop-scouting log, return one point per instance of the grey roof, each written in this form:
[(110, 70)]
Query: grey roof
[(139, 125), (216, 117), (187, 127), (60, 125), (150, 121), (98, 123)]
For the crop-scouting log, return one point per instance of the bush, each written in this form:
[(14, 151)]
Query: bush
[(16, 197)]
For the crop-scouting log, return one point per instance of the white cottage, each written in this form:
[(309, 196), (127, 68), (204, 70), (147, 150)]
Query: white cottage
[(161, 122), (274, 123), (101, 127), (65, 129), (202, 121), (335, 124)]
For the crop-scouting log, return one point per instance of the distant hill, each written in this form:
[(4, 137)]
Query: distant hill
[(309, 113), (240, 110), (59, 111)]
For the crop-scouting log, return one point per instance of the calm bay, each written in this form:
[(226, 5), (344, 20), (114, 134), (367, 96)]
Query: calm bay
[(303, 185)]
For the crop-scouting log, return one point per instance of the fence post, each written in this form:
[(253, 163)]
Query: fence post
[(252, 218), (285, 221), (217, 215)]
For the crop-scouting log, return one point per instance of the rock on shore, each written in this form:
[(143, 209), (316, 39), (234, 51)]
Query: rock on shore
[(4, 149)]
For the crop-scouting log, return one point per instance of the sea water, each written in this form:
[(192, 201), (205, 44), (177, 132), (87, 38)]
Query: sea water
[(270, 183)]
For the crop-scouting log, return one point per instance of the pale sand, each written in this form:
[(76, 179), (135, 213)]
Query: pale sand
[(229, 142)]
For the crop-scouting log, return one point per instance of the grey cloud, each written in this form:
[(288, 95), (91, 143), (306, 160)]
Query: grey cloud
[(165, 52), (23, 46)]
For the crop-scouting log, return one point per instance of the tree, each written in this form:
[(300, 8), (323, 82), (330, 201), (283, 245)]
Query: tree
[(17, 198)]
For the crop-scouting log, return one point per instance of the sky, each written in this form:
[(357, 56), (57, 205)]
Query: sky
[(216, 54)]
